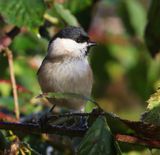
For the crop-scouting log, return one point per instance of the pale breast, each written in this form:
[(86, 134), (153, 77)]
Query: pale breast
[(70, 76)]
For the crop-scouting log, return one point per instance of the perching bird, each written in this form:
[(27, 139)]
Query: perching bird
[(66, 68)]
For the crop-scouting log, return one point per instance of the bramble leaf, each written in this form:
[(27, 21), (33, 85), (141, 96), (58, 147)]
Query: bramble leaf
[(23, 13), (98, 140), (152, 115)]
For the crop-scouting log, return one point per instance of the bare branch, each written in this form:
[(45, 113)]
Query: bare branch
[(74, 132), (13, 81), (93, 114), (137, 140), (31, 128), (5, 41)]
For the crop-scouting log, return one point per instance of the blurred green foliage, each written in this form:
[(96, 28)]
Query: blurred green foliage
[(152, 29), (19, 12), (125, 73)]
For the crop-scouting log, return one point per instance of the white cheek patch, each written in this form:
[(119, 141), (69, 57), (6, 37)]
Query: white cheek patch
[(62, 46), (69, 45)]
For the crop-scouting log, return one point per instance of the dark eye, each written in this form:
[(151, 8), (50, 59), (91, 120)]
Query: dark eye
[(82, 39)]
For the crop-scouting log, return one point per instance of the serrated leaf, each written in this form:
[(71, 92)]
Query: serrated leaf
[(98, 140), (152, 115), (154, 100), (65, 15), (23, 12)]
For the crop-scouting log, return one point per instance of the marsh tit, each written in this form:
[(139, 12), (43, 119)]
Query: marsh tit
[(66, 68)]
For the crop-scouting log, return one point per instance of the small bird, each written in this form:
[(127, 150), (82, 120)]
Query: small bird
[(66, 68)]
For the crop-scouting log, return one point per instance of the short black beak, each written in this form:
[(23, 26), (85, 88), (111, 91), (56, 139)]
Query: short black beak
[(91, 43)]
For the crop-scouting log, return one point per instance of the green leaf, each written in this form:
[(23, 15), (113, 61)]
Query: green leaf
[(65, 15), (152, 29), (29, 44), (26, 149), (118, 125), (22, 69), (154, 72), (154, 100), (77, 5), (7, 102), (134, 16), (5, 89), (60, 95), (98, 140), (3, 142), (23, 12), (152, 115), (89, 106)]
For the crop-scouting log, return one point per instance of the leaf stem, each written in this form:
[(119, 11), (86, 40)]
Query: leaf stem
[(51, 19)]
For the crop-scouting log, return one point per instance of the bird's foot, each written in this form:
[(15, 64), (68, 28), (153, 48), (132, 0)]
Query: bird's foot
[(44, 121), (80, 123), (54, 105)]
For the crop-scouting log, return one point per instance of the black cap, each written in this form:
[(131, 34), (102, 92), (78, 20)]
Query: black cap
[(71, 32)]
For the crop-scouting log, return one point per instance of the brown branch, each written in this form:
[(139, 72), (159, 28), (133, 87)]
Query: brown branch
[(13, 81), (74, 132), (5, 41), (36, 129), (137, 140), (93, 114)]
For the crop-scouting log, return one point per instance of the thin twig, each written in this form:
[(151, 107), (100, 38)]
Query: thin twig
[(5, 41), (51, 19), (137, 140), (13, 81)]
